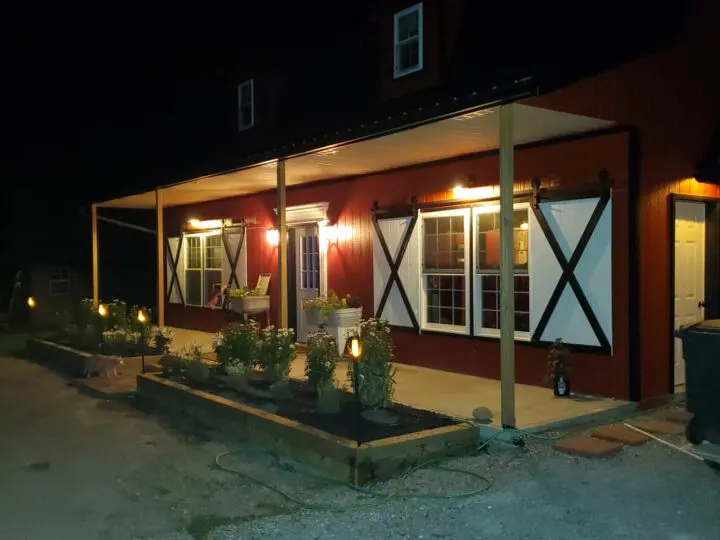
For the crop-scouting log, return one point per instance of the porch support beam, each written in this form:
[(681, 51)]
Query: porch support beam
[(507, 264), (282, 246), (160, 258), (95, 254)]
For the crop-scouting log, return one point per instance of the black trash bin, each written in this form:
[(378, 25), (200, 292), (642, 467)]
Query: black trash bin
[(701, 349)]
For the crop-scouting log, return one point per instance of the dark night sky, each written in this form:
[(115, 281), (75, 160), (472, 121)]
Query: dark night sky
[(91, 93)]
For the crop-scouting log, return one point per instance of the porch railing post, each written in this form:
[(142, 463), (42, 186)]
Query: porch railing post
[(282, 247), (160, 238), (95, 255), (507, 264)]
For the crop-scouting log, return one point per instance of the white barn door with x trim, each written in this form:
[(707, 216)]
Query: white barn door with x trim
[(582, 230)]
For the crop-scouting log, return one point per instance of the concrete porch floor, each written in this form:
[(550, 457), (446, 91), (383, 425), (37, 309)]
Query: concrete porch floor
[(458, 395)]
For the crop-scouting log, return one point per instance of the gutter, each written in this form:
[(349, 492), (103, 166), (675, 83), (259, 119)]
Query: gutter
[(120, 223)]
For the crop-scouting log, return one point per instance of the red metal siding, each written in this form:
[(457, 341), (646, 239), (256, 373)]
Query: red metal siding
[(350, 260), (672, 98)]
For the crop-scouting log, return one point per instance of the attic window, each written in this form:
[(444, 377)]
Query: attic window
[(246, 105), (408, 40)]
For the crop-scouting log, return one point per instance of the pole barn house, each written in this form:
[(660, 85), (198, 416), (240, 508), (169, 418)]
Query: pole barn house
[(610, 232)]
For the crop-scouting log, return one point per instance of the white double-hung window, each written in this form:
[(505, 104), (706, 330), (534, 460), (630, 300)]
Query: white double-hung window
[(203, 267), (408, 40), (450, 266)]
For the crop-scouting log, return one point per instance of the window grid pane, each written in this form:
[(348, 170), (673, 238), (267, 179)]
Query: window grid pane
[(490, 302), (444, 244), (488, 240), (194, 253), (213, 252), (309, 262), (445, 299)]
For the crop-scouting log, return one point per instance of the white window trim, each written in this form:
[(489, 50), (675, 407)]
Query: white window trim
[(202, 269), (396, 45), (446, 328), (477, 292), (249, 83)]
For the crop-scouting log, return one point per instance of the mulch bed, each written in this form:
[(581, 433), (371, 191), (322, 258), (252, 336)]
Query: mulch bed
[(301, 406)]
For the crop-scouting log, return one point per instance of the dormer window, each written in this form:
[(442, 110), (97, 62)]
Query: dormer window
[(246, 105), (408, 40)]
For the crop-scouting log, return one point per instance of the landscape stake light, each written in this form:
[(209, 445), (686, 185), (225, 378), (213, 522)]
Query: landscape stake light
[(355, 352), (102, 310), (142, 319)]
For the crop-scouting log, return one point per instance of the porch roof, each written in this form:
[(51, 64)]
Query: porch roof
[(462, 134)]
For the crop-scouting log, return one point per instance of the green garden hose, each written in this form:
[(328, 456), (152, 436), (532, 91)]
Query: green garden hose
[(380, 497)]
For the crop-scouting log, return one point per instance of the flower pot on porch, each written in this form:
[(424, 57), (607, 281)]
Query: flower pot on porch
[(561, 386), (313, 316), (250, 304), (345, 317)]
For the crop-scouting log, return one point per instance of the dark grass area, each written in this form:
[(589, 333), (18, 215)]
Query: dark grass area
[(301, 406)]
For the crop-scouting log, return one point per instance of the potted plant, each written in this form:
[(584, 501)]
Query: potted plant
[(246, 300), (558, 368), (344, 312)]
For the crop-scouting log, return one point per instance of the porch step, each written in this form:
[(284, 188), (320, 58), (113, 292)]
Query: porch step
[(586, 446), (621, 434), (662, 427), (679, 415)]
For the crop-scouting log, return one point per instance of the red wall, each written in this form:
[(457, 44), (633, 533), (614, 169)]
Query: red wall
[(350, 260), (672, 97)]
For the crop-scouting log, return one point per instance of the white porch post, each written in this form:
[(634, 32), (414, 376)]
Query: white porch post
[(282, 247), (507, 264), (160, 236), (95, 264)]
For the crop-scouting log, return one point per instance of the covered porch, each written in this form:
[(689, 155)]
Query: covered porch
[(458, 395), (479, 131)]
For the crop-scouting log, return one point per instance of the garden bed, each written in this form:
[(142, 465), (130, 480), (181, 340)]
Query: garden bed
[(328, 442), (71, 361)]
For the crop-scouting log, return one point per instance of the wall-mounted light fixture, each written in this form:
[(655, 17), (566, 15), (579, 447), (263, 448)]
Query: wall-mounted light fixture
[(207, 223), (272, 236), (476, 193)]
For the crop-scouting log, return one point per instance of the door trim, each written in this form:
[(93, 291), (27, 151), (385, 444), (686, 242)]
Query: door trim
[(674, 198)]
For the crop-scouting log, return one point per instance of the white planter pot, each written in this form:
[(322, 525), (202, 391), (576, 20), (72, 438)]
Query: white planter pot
[(250, 304), (313, 316), (345, 317)]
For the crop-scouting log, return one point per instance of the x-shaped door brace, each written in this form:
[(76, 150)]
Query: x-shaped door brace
[(395, 265), (174, 260), (568, 270), (233, 258)]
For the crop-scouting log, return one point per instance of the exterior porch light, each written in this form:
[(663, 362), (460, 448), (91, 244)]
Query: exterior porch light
[(524, 226), (272, 236), (102, 310), (466, 194), (205, 224)]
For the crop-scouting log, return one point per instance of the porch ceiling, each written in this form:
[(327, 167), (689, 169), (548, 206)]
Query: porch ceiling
[(465, 134)]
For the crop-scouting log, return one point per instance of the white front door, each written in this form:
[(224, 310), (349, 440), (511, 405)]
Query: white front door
[(689, 272), (307, 273)]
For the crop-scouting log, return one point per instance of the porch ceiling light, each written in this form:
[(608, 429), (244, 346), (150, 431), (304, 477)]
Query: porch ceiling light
[(524, 226)]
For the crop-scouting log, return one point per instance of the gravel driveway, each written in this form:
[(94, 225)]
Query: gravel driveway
[(74, 467)]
